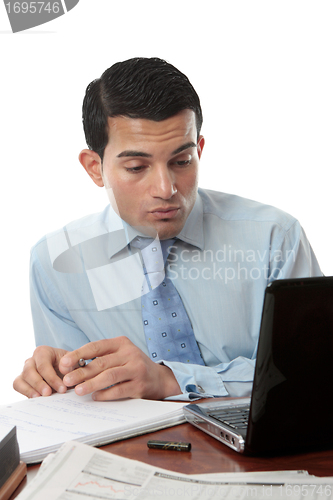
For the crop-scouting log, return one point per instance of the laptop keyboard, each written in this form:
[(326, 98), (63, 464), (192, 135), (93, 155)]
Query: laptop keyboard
[(236, 418)]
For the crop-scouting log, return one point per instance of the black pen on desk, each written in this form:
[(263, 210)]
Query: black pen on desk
[(168, 445)]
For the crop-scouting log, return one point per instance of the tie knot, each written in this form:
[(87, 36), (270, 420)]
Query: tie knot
[(151, 248), (166, 247)]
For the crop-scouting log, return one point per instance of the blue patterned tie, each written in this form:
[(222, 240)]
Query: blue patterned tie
[(169, 333)]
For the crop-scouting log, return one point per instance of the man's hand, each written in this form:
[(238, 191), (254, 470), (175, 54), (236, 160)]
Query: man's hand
[(119, 370), (40, 375)]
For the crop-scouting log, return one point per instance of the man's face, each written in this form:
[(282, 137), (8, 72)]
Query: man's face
[(152, 168)]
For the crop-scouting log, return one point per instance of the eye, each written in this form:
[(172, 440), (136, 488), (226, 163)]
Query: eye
[(134, 170), (183, 163)]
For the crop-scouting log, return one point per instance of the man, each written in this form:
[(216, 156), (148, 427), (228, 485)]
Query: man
[(142, 121)]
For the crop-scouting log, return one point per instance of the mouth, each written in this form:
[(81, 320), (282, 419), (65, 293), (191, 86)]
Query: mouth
[(165, 213)]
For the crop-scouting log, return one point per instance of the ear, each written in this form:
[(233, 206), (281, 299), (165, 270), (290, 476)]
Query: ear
[(92, 164), (200, 145)]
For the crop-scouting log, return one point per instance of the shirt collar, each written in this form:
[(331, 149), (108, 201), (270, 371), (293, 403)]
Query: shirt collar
[(121, 233), (192, 231)]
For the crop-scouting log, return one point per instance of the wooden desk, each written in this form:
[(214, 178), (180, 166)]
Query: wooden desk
[(207, 455)]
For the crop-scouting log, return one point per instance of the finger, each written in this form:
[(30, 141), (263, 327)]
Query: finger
[(31, 377), (21, 386), (69, 369), (103, 380), (119, 391), (76, 376), (98, 365), (43, 374), (140, 380), (88, 351)]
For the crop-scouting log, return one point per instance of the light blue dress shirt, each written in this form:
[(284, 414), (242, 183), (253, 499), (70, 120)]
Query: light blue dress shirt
[(86, 284)]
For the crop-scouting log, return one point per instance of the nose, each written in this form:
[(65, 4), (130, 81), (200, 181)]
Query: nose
[(163, 183)]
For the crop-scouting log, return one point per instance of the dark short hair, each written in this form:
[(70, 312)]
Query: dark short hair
[(140, 87)]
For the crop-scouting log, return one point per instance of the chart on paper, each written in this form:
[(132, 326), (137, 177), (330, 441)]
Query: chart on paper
[(104, 478)]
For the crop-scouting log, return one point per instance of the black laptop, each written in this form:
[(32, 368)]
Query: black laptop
[(291, 406)]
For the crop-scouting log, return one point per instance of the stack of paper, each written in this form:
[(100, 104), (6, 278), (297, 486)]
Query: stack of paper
[(78, 471), (44, 424)]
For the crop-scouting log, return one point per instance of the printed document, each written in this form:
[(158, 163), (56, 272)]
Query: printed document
[(78, 472), (44, 424)]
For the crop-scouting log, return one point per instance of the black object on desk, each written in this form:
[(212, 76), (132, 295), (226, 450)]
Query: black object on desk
[(12, 471)]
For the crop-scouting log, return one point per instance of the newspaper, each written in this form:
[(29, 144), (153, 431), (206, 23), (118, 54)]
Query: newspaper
[(78, 471)]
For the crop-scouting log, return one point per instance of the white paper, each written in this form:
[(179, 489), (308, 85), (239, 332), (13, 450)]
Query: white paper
[(78, 471), (43, 424)]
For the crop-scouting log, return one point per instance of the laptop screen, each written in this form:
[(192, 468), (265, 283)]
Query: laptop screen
[(291, 404)]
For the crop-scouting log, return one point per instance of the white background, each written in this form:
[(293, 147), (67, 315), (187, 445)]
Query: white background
[(263, 71)]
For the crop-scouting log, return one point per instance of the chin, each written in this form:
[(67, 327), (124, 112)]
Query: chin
[(167, 233)]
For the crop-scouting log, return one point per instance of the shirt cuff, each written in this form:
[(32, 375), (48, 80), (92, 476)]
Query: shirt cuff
[(196, 381)]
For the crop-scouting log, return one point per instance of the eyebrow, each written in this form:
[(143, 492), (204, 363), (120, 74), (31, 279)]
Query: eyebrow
[(185, 146), (142, 154), (133, 153)]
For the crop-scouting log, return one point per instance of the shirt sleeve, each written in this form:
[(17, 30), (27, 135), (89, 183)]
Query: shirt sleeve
[(291, 256), (53, 324)]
